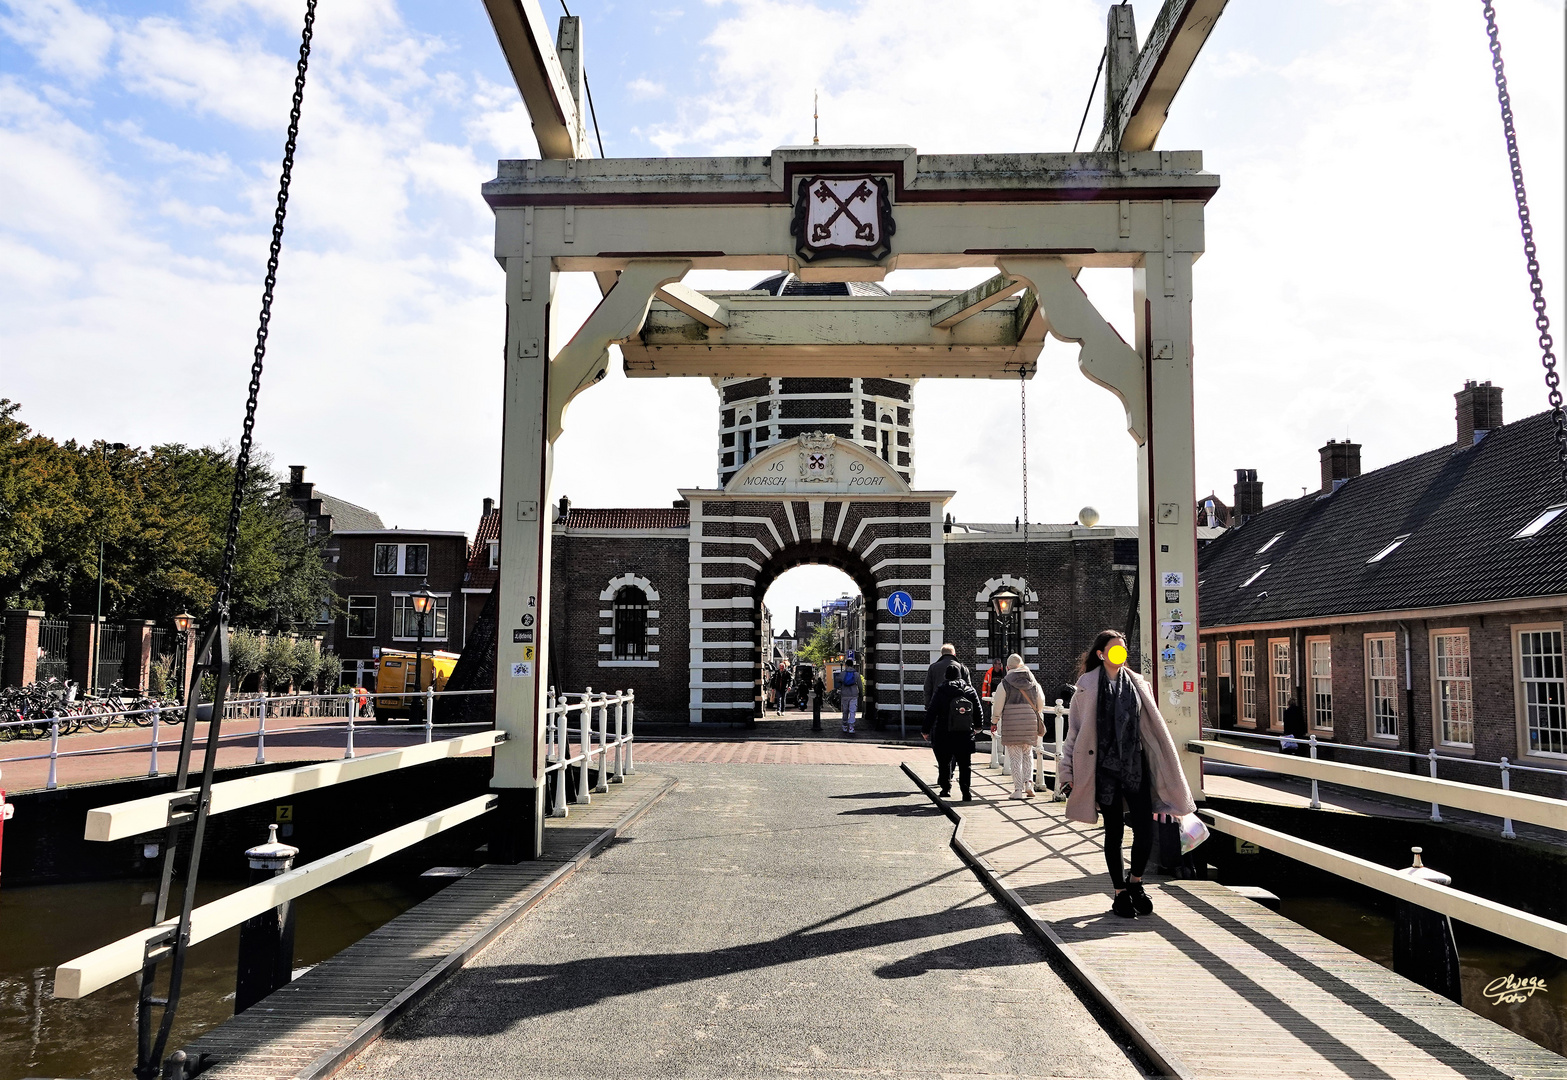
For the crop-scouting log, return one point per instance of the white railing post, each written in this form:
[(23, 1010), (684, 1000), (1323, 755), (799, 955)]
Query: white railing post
[(1507, 823), (585, 734), (1436, 811), (556, 714), (995, 742), (631, 736), (1316, 803), (429, 712), (620, 740), (261, 734), (54, 749), (348, 751), (603, 711), (152, 759), (1061, 713)]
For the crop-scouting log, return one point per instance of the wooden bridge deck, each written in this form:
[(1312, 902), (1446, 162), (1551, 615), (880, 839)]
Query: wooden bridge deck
[(320, 1020), (1223, 987)]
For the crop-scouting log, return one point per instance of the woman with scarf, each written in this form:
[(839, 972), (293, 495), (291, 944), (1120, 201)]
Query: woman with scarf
[(1118, 750), (1017, 703)]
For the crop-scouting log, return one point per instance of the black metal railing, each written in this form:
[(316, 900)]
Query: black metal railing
[(54, 649)]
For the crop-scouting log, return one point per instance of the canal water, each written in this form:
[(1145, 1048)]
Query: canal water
[(95, 1037)]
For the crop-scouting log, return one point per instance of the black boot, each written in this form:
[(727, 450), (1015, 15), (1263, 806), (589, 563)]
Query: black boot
[(1141, 902), (1123, 905)]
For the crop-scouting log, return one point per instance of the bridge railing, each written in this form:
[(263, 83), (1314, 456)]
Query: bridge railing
[(131, 954), (1041, 753), (340, 712), (618, 710)]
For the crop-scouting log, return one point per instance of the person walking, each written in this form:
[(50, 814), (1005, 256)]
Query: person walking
[(1294, 728), (849, 695), (993, 676), (780, 685), (1118, 750), (936, 674), (1016, 710), (949, 727)]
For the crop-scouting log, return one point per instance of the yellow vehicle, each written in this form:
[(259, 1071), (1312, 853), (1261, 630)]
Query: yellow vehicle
[(395, 675)]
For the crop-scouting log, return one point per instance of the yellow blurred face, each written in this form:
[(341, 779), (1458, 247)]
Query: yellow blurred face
[(1116, 654)]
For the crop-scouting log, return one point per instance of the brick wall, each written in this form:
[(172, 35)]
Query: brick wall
[(357, 577)]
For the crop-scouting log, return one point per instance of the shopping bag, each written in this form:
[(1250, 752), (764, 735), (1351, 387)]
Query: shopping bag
[(1193, 832)]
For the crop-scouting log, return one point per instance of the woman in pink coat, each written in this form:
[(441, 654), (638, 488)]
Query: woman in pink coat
[(1118, 751)]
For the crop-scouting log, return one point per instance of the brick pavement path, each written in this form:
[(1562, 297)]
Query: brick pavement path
[(782, 752)]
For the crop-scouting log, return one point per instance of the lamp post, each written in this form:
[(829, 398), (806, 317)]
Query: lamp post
[(97, 630), (423, 601), (182, 624), (1002, 604)]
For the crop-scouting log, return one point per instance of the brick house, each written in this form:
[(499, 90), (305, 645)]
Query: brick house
[(378, 572), (325, 517), (1414, 607)]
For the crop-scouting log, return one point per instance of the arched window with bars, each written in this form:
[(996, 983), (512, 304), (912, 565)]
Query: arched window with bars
[(630, 607)]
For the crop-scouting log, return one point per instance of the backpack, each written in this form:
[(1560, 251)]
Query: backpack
[(851, 678), (960, 715)]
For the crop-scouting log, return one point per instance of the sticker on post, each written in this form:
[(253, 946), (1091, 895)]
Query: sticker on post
[(1172, 579), (519, 637), (527, 652), (522, 671)]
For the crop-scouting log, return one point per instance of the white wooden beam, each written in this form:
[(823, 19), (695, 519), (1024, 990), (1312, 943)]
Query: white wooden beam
[(1535, 809), (525, 39), (704, 309), (97, 969), (988, 292), (1178, 34), (120, 820), (1510, 923)]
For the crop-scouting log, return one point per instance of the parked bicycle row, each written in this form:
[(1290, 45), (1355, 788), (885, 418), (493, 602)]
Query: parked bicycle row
[(33, 711)]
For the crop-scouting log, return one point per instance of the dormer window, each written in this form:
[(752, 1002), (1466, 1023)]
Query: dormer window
[(495, 554), (1270, 543), (1548, 515), (1385, 552)]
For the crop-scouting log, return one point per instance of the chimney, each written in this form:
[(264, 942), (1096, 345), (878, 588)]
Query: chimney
[(1248, 495), (1340, 462), (1479, 411), (489, 507)]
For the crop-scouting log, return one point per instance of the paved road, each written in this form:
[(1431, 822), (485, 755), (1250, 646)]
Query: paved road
[(778, 919)]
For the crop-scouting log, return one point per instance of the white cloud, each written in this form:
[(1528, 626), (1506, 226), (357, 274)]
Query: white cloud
[(646, 89), (65, 39)]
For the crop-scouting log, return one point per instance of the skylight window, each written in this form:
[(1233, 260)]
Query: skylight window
[(1259, 573), (1270, 543), (1385, 552), (1548, 515)]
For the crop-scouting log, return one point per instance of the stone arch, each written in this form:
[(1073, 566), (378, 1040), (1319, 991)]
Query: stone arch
[(1029, 614), (606, 646)]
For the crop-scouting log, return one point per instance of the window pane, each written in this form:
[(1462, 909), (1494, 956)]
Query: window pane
[(1281, 681), (386, 558), (1245, 656), (1382, 672), (416, 559), (1544, 691), (361, 616), (1322, 684), (630, 624), (1454, 692)]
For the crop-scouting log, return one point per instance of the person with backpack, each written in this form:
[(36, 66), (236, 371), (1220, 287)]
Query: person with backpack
[(949, 726), (849, 695), (1017, 719)]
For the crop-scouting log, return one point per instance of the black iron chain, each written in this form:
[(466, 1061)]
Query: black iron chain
[(1022, 385), (1541, 322), (242, 458)]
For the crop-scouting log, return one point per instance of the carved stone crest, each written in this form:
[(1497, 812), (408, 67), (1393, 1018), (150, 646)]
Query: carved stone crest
[(842, 215), (818, 461)]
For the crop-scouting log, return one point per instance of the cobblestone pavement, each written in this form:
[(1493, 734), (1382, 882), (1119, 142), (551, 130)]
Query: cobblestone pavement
[(782, 752), (802, 920)]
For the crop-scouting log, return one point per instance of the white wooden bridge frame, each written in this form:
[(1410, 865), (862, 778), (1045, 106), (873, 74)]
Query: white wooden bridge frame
[(639, 225)]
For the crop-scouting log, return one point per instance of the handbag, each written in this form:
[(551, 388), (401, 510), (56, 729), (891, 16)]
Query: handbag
[(1039, 727)]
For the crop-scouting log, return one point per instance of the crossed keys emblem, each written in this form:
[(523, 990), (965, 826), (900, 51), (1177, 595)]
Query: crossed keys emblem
[(818, 462), (863, 230)]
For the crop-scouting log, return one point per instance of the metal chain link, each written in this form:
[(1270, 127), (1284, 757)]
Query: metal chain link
[(1022, 385), (242, 458), (1541, 322)]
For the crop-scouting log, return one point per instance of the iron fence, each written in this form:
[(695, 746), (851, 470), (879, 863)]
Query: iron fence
[(54, 649), (111, 655)]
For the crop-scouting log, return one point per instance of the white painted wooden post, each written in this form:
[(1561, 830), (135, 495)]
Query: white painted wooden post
[(1055, 787), (631, 734), (1507, 823), (620, 739), (603, 733), (1316, 803), (152, 759), (555, 715), (1436, 811), (348, 750), (584, 729), (54, 750), (429, 710)]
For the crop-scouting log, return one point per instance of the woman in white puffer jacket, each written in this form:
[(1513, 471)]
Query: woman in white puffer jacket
[(1017, 705)]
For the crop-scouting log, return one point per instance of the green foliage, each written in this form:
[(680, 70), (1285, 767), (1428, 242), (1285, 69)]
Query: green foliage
[(306, 658), (822, 647), (244, 656), (329, 671), (277, 662), (160, 677), (161, 515)]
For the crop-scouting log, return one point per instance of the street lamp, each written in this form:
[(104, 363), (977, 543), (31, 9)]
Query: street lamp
[(182, 624), (97, 635), (1002, 604), (424, 601)]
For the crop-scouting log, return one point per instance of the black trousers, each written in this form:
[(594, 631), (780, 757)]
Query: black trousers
[(1139, 805), (949, 750)]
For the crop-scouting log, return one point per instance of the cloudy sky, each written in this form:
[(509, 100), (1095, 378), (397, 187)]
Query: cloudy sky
[(1363, 254)]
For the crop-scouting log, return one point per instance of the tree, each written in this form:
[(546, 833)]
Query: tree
[(822, 647)]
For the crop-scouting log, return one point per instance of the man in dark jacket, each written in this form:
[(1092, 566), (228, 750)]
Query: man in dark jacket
[(949, 725), (937, 674)]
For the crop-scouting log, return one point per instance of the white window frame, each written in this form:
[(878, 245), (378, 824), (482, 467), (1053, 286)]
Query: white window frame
[(1522, 679), (1225, 671), (1316, 682), (1392, 546), (375, 560), (443, 609), (1246, 682), (1390, 657), (1202, 669), (495, 554), (348, 623), (402, 560), (1541, 521), (1461, 688), (1280, 685)]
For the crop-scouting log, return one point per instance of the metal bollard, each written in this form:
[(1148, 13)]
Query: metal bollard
[(603, 784), (631, 740), (54, 750), (429, 712), (1507, 822), (1436, 811), (348, 750), (1316, 803), (261, 735), (266, 941)]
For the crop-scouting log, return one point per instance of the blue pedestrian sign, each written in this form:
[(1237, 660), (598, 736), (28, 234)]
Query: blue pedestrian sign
[(899, 604)]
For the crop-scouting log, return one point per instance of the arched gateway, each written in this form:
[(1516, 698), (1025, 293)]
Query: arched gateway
[(812, 499)]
